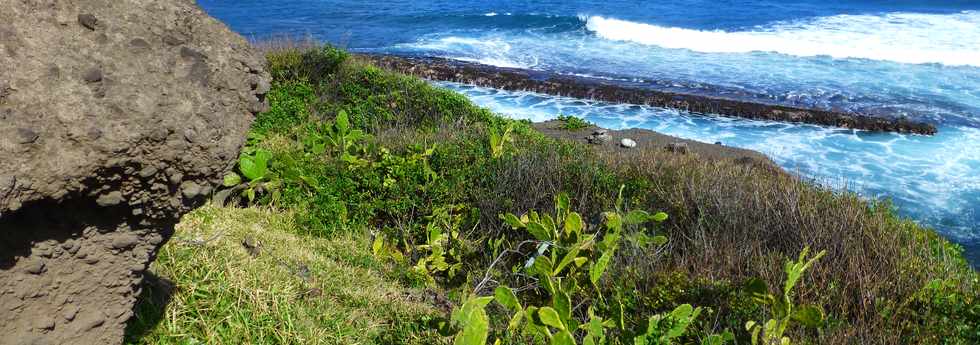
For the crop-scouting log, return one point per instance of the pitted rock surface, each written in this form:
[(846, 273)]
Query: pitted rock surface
[(116, 117)]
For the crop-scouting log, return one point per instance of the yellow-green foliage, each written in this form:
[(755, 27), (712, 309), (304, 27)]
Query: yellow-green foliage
[(295, 289)]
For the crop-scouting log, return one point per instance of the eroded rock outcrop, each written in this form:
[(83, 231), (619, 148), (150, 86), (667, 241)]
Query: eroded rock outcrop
[(116, 117)]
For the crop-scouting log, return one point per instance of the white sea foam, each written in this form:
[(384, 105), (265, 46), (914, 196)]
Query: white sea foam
[(494, 52), (934, 179), (949, 39)]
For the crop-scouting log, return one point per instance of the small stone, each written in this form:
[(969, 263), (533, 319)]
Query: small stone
[(93, 322), (34, 266), (125, 241), (70, 313), (139, 43), (89, 21), (190, 189), (112, 199), (600, 131), (26, 136), (93, 75), (312, 293), (599, 139), (678, 147), (252, 245), (44, 322), (627, 143), (148, 171)]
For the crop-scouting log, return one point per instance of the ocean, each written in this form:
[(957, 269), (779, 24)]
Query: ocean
[(915, 59)]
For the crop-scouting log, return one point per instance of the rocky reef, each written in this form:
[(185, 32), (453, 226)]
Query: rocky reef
[(116, 117), (596, 89)]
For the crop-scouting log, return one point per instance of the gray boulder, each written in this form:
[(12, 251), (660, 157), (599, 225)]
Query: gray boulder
[(116, 117)]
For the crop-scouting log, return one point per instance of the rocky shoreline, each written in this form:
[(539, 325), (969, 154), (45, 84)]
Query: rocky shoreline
[(637, 140), (586, 88)]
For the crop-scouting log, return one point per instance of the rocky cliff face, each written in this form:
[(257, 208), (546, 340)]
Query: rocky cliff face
[(116, 117)]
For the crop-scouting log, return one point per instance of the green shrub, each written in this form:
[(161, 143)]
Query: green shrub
[(573, 123)]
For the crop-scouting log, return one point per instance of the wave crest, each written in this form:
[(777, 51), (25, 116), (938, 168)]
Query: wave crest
[(949, 39)]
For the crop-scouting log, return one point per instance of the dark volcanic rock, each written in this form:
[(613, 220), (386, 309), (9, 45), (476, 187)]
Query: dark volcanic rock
[(99, 101), (553, 84)]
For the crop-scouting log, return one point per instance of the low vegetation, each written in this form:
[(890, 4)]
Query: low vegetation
[(387, 212), (572, 123)]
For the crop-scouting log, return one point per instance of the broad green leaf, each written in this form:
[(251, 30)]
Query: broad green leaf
[(563, 337), (719, 339), (550, 317), (659, 240), (343, 123), (512, 221), (573, 223), (659, 217), (599, 267), (232, 179), (515, 321), (538, 231), (248, 167), (562, 204), (595, 332), (506, 297), (476, 325), (377, 245), (572, 254), (683, 315), (682, 311), (549, 225), (810, 316), (613, 221), (637, 217), (563, 305), (542, 265)]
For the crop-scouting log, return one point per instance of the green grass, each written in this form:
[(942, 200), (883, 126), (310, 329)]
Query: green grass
[(884, 279), (297, 290)]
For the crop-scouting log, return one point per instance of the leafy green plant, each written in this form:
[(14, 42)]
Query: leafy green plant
[(500, 138), (573, 123), (254, 167), (784, 311), (443, 249)]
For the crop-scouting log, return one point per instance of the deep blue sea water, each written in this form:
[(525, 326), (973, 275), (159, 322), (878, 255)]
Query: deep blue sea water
[(919, 59)]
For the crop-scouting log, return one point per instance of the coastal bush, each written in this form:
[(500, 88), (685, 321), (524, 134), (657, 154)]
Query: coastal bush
[(573, 123), (421, 154)]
